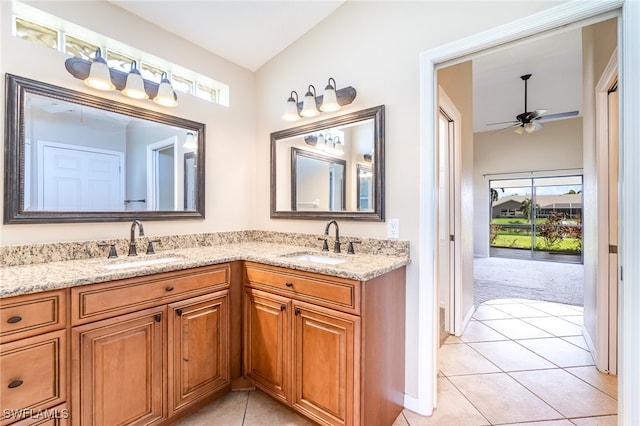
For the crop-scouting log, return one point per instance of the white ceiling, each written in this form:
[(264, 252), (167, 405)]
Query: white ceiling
[(555, 65), (247, 33), (250, 33)]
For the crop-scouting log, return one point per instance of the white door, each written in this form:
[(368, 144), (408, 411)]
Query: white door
[(79, 178), (605, 334), (613, 230), (449, 255)]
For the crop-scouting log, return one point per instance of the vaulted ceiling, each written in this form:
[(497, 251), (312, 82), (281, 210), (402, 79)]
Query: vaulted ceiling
[(250, 33)]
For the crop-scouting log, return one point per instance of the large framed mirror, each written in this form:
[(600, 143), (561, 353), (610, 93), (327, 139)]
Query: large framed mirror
[(75, 157), (330, 169)]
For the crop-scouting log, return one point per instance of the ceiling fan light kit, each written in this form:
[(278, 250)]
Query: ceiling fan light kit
[(527, 122)]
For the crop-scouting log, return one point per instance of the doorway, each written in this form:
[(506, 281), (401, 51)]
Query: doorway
[(449, 273), (560, 16), (161, 175)]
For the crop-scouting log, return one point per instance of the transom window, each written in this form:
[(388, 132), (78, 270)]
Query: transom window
[(57, 34)]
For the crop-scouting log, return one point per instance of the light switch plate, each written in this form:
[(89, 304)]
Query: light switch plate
[(393, 228)]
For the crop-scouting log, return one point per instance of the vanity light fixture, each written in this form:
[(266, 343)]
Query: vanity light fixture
[(309, 108), (99, 76), (332, 100), (135, 84), (166, 96), (327, 146), (291, 108), (338, 148), (190, 143)]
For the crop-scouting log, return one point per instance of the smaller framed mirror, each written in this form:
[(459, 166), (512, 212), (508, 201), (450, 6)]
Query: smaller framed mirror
[(330, 169)]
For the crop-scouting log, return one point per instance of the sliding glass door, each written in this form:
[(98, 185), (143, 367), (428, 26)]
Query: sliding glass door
[(537, 218)]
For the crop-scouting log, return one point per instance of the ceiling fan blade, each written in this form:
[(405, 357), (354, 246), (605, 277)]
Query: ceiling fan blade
[(517, 124), (534, 126), (535, 114), (503, 122), (559, 115)]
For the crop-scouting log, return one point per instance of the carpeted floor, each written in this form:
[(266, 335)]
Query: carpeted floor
[(500, 278)]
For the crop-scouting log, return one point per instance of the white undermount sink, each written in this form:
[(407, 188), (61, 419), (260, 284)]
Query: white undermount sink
[(145, 262), (315, 258)]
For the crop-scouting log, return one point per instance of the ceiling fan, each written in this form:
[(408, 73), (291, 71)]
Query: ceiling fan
[(527, 122)]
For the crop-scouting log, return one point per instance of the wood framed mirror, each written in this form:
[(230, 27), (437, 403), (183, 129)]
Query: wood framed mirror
[(316, 168), (76, 157)]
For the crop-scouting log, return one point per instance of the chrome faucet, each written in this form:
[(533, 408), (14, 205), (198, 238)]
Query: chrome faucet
[(132, 242), (336, 246)]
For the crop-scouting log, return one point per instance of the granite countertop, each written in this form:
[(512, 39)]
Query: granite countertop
[(24, 279)]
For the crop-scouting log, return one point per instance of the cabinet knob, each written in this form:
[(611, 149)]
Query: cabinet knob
[(283, 307), (169, 288), (297, 311), (15, 384), (158, 317), (288, 284), (179, 312), (14, 320)]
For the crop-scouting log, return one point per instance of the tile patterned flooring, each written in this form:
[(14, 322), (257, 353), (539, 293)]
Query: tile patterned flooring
[(518, 362)]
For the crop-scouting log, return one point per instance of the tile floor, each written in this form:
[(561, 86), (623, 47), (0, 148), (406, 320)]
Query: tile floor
[(518, 362)]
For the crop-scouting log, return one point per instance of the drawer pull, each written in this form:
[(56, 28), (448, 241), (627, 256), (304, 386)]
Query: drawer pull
[(297, 311), (179, 312), (169, 288), (14, 320), (283, 307), (288, 284), (15, 384), (158, 317)]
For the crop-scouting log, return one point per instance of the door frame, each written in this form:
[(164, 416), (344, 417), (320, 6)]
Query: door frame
[(153, 183), (567, 15), (453, 317), (606, 303)]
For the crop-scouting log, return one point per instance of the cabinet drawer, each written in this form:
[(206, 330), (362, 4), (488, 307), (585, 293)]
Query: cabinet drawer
[(32, 375), (31, 314), (90, 303), (329, 291)]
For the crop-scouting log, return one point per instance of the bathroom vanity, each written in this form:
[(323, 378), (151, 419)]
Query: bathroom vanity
[(150, 343)]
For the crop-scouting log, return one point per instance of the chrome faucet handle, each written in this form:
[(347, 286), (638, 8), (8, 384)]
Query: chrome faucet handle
[(150, 249), (112, 250), (325, 244)]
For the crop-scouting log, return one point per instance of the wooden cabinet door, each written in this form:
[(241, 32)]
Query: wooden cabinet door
[(198, 348), (325, 357), (267, 342), (118, 370)]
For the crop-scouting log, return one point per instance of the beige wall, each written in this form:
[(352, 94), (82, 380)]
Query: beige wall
[(556, 147), (230, 132), (374, 47)]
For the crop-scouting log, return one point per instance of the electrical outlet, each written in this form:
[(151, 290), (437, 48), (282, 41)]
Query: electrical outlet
[(393, 228)]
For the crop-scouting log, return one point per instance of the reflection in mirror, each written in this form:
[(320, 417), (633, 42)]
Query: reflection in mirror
[(364, 187), (330, 169), (317, 181), (190, 183), (75, 157)]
